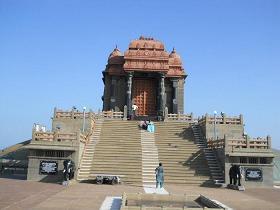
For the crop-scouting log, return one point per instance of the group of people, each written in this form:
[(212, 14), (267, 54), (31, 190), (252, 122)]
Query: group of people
[(235, 175), (147, 125)]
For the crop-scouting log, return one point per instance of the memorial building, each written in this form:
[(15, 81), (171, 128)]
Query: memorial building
[(193, 150), (146, 75)]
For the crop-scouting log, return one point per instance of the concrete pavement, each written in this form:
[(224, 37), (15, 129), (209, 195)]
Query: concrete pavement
[(22, 194)]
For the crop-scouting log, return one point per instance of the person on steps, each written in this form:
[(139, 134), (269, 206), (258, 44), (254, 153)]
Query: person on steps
[(159, 176)]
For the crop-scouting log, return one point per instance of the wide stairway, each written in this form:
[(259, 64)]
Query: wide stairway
[(183, 161), (125, 150), (119, 151)]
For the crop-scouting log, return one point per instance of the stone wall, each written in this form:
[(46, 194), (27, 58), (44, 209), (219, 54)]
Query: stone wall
[(232, 131), (33, 173), (69, 125), (38, 154), (267, 171)]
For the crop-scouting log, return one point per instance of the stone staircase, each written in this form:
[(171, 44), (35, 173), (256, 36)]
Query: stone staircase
[(213, 164), (149, 158), (119, 151), (87, 158), (121, 148), (183, 161)]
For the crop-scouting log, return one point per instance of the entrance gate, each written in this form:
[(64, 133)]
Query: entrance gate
[(144, 96)]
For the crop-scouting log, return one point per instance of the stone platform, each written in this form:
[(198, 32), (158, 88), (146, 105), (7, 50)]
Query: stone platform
[(21, 194)]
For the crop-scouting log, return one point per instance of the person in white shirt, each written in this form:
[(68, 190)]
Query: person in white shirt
[(134, 110)]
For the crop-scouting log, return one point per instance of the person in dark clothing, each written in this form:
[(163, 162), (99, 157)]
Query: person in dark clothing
[(238, 175), (235, 175), (231, 174), (69, 170)]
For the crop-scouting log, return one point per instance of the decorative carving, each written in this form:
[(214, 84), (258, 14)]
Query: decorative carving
[(146, 54)]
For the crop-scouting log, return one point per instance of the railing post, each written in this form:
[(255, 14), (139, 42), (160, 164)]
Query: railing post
[(178, 116), (54, 112), (166, 114), (191, 117), (33, 132), (55, 135), (247, 142), (241, 119), (72, 113), (125, 112), (268, 138), (98, 114), (226, 143), (224, 118), (206, 118), (78, 135), (90, 114)]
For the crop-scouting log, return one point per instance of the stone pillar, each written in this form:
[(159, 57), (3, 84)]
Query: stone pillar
[(226, 143), (247, 141), (54, 112), (113, 93), (224, 118), (166, 114), (192, 120), (162, 95), (175, 96), (241, 119), (268, 138), (128, 95), (125, 112)]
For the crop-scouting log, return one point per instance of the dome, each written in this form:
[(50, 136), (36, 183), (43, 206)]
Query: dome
[(146, 43), (116, 52), (174, 58), (173, 54)]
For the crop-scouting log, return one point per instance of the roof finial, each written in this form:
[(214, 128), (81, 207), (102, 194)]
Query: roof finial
[(116, 46), (173, 50)]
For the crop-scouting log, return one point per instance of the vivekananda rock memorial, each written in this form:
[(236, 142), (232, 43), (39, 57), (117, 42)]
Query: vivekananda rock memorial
[(146, 75), (194, 150)]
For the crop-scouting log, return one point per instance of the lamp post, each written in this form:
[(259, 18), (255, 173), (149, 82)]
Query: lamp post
[(84, 118), (215, 134)]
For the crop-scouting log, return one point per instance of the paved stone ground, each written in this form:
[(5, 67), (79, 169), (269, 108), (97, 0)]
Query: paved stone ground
[(20, 194)]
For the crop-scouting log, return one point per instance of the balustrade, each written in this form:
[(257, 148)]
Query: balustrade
[(221, 120), (180, 117), (59, 137), (242, 143)]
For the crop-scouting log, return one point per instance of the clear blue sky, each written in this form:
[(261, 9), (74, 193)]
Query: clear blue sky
[(52, 54)]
